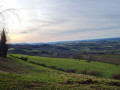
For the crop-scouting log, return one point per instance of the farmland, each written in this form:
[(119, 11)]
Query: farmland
[(20, 74), (55, 66), (106, 69), (105, 50), (59, 45)]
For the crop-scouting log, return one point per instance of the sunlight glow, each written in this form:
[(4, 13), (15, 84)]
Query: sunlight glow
[(58, 20)]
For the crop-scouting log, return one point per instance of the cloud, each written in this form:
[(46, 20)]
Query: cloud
[(59, 19), (86, 30)]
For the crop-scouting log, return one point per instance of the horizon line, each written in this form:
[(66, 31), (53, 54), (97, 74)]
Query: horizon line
[(63, 41)]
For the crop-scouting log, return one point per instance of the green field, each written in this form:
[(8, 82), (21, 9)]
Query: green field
[(23, 75), (106, 69)]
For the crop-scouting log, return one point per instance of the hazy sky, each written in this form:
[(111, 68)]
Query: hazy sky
[(62, 20)]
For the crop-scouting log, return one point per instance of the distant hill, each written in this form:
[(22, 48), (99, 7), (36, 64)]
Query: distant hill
[(68, 49), (57, 42)]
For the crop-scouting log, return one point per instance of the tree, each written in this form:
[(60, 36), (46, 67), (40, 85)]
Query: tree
[(3, 39), (3, 44), (90, 59), (78, 56)]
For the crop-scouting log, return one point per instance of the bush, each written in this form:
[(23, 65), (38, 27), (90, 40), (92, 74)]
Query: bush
[(60, 69), (88, 81), (84, 71), (94, 73), (71, 70), (32, 62), (53, 67), (116, 76), (90, 58), (37, 63), (43, 65), (10, 55), (23, 58), (69, 81)]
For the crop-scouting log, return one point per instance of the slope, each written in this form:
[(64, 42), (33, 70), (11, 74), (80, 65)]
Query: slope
[(23, 75)]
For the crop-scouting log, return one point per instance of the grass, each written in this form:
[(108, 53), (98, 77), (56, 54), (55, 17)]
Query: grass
[(11, 49), (13, 82), (30, 76), (30, 50), (106, 69)]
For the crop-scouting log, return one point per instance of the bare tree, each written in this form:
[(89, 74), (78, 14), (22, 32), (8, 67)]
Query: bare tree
[(3, 39)]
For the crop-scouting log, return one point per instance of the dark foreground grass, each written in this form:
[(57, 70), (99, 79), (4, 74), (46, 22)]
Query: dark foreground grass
[(13, 82), (19, 82)]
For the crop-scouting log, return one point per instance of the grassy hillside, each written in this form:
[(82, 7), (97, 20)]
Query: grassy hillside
[(22, 75), (106, 69)]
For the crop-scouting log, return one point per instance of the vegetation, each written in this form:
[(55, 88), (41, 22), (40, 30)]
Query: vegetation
[(30, 76), (116, 76), (78, 65), (71, 65), (3, 44), (82, 72), (105, 50)]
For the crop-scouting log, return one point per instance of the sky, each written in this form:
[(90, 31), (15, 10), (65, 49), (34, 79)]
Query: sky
[(35, 21)]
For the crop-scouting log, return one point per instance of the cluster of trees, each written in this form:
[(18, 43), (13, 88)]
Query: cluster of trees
[(79, 57)]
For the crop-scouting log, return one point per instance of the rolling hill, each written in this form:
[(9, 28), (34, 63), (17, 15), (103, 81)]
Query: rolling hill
[(24, 75), (105, 50)]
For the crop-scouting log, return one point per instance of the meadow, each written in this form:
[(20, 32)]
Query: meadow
[(23, 75), (105, 69)]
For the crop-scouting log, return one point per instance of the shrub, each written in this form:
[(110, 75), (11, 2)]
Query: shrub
[(94, 73), (15, 57), (84, 71), (37, 63), (32, 62), (23, 58), (43, 65), (90, 58), (78, 56), (11, 55), (71, 70), (53, 67), (69, 81), (116, 76), (60, 69), (113, 83)]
